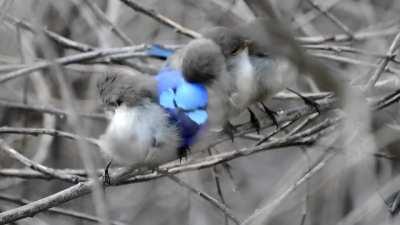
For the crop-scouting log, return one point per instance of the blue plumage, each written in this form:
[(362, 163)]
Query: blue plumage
[(160, 52), (185, 102)]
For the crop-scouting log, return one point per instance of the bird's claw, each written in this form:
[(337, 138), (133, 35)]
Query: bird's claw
[(307, 101), (107, 179), (271, 113), (230, 130), (183, 153), (254, 121)]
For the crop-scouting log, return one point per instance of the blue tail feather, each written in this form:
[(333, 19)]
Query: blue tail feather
[(159, 51)]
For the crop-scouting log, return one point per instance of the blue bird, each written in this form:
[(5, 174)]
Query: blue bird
[(156, 118), (186, 104)]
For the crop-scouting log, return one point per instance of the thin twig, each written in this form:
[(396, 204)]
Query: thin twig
[(68, 60), (103, 18), (38, 167), (393, 47), (50, 110), (359, 36), (332, 17), (44, 131), (162, 19), (207, 197), (56, 210), (266, 209)]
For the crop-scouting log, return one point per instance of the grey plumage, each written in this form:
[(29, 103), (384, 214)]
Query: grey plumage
[(235, 74), (139, 133)]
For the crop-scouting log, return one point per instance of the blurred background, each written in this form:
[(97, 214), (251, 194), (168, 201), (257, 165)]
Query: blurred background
[(293, 185)]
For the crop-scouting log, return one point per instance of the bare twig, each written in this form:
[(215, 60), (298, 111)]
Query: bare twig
[(56, 210), (207, 197), (353, 61), (265, 210), (49, 110), (333, 18), (384, 63), (162, 19), (38, 167), (103, 18), (43, 131), (63, 41), (218, 185), (68, 60), (362, 35)]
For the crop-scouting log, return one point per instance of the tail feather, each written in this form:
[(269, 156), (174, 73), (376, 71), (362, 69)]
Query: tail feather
[(159, 51)]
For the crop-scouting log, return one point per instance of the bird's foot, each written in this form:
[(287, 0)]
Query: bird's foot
[(106, 177), (183, 153), (272, 114), (230, 130), (254, 121), (306, 100)]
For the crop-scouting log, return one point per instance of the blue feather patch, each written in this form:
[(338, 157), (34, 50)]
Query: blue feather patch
[(160, 52), (185, 103)]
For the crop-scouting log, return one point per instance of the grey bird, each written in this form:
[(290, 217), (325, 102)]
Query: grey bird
[(235, 73), (139, 134)]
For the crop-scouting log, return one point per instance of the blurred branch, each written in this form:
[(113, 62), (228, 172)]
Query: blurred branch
[(63, 41), (301, 20), (38, 167), (340, 49), (332, 18), (218, 185), (266, 210), (84, 188), (106, 22), (375, 77), (359, 36), (56, 210), (387, 100), (49, 110), (100, 53), (162, 19), (353, 61), (42, 131), (207, 197)]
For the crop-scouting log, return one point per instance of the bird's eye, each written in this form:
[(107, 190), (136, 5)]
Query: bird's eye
[(118, 102), (237, 50), (241, 47)]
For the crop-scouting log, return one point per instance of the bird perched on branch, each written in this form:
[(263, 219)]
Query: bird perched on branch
[(248, 64), (155, 120)]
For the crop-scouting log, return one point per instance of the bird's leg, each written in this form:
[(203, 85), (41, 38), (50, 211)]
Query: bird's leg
[(306, 100), (272, 114), (121, 173), (254, 121), (183, 152), (230, 130), (106, 176)]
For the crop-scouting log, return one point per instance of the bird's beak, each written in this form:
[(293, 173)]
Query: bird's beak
[(243, 47)]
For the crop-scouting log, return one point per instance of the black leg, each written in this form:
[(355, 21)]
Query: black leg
[(306, 100), (183, 153), (272, 114), (254, 121), (107, 179), (230, 130)]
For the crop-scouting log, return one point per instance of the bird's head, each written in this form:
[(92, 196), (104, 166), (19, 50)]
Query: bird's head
[(202, 61), (120, 89), (234, 45)]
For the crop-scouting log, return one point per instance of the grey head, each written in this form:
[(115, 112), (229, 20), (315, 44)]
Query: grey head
[(202, 61), (118, 89), (229, 40)]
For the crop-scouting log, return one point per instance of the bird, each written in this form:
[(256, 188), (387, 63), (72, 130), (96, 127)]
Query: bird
[(155, 118), (235, 74)]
